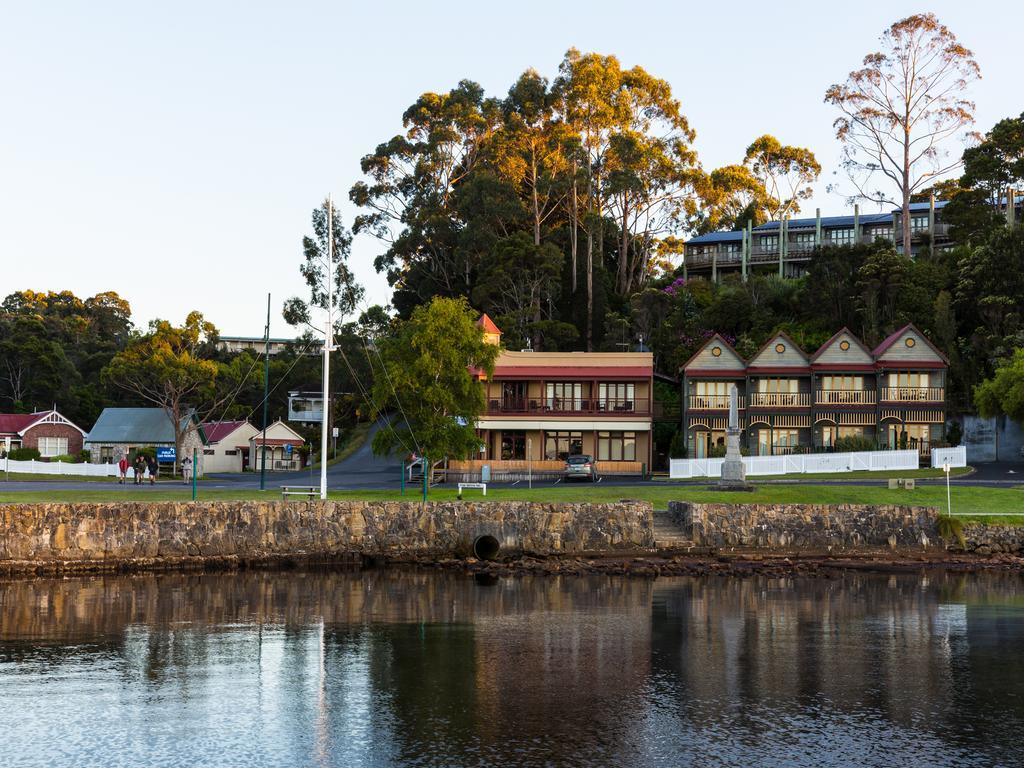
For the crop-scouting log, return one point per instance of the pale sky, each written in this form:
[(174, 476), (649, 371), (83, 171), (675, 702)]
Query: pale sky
[(173, 152)]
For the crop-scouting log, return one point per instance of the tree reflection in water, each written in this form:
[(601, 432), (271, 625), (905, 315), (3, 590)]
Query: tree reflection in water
[(409, 668)]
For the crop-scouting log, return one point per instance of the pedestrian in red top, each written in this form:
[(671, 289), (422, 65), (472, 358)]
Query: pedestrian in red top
[(122, 469)]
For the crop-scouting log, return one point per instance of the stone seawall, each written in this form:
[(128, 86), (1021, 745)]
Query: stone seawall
[(169, 534), (809, 527)]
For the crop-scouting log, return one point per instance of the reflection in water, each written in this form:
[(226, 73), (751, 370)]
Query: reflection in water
[(392, 668)]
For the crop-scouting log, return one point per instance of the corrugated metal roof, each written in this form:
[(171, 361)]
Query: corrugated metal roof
[(828, 222), (718, 237), (148, 426), (13, 423)]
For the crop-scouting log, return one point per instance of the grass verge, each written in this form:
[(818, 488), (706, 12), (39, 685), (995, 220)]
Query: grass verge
[(924, 473), (999, 506)]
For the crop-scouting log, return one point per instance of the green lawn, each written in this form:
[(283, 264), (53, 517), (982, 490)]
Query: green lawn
[(993, 505)]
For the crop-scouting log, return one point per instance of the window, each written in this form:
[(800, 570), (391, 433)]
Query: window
[(513, 446), (769, 242), (918, 223), (209, 452), (829, 435), (776, 441), (804, 240), (908, 385), (777, 385), (616, 396), (616, 446), (231, 453), (909, 435), (841, 236), (53, 446), (106, 454), (564, 396), (560, 445), (711, 394), (881, 232)]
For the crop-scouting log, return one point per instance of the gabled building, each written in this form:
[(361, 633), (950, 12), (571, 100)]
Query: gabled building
[(119, 431), (227, 445), (47, 431), (892, 396), (542, 407), (280, 451)]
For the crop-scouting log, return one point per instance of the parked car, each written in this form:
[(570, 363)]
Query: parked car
[(582, 466)]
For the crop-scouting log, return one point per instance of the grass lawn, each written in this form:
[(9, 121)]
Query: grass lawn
[(356, 438), (1004, 506)]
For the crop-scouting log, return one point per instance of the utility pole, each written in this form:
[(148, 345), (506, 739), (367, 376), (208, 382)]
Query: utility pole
[(328, 343), (266, 394)]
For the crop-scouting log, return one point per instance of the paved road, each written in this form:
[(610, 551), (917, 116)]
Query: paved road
[(364, 471)]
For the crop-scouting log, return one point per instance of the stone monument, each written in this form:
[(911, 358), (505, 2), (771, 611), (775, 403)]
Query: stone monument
[(734, 474)]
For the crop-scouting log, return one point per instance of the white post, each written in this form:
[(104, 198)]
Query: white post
[(529, 461), (328, 342), (949, 503)]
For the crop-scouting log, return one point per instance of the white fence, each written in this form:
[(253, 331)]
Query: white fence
[(61, 468), (957, 457), (800, 463)]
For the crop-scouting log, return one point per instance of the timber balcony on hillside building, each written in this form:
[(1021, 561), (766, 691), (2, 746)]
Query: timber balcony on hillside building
[(570, 406)]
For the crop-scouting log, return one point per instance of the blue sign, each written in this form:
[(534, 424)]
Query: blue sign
[(165, 455), (287, 449)]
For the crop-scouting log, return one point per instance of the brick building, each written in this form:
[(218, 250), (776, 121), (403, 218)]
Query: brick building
[(46, 431)]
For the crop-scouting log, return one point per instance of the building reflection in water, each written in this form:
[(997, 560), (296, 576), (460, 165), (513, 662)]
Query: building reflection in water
[(396, 668)]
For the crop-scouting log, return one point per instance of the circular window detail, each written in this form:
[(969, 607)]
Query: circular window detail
[(716, 351), (844, 345), (910, 342), (780, 348)]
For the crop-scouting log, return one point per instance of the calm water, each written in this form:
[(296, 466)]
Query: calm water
[(384, 668)]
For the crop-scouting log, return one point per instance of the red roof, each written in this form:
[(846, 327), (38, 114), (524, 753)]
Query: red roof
[(271, 441), (13, 423), (572, 372), (218, 430), (892, 338), (488, 325)]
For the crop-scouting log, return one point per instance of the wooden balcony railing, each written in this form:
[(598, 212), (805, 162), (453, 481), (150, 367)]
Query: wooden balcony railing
[(913, 394), (779, 399), (570, 406), (845, 397), (713, 402)]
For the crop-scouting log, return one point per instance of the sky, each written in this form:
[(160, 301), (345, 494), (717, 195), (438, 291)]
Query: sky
[(173, 152)]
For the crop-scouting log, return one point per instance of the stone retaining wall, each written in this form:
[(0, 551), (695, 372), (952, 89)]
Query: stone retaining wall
[(994, 539), (808, 527), (171, 533)]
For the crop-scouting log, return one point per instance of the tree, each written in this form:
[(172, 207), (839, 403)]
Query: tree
[(901, 108), (171, 368), (1004, 392), (784, 173), (429, 377), (731, 196), (346, 292)]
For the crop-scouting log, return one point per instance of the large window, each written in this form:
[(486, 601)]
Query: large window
[(776, 441), (513, 446), (842, 389), (769, 243), (559, 445), (616, 396), (881, 232), (616, 446), (53, 446), (804, 240), (841, 236), (908, 379), (909, 435), (711, 394), (830, 434), (564, 396), (918, 223)]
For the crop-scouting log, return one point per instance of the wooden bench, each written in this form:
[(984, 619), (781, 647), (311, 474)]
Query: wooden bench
[(309, 491), (478, 486)]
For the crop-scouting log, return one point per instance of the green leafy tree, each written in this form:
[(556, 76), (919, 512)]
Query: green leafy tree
[(901, 109), (171, 368), (785, 174), (430, 380), (1003, 393)]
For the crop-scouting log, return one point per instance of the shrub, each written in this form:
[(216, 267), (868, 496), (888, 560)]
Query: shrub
[(66, 458), (951, 529), (677, 448), (954, 433), (23, 454), (855, 443), (84, 457)]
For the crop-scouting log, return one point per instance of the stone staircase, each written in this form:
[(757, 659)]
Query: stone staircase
[(668, 535)]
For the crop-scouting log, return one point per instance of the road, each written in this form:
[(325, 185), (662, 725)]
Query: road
[(364, 471)]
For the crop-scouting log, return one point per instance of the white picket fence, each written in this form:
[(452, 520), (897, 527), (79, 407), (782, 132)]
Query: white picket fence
[(957, 457), (61, 468), (800, 463)]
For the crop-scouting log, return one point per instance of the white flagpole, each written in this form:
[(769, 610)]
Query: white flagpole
[(328, 343)]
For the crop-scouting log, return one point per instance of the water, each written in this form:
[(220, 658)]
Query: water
[(387, 668)]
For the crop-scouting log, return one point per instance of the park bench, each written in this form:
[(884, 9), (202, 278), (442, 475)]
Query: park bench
[(478, 486), (309, 491)]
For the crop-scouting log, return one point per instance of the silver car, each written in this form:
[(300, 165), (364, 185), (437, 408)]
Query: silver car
[(581, 466)]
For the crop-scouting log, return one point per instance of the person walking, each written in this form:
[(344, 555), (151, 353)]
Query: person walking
[(140, 468), (186, 470), (122, 469), (152, 467)]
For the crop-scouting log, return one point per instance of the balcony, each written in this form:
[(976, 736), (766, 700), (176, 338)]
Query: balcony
[(919, 234), (713, 402), (913, 395), (556, 406), (844, 397), (779, 399)]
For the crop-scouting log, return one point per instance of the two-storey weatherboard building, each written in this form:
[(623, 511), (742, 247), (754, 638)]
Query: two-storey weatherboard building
[(789, 401), (541, 407)]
